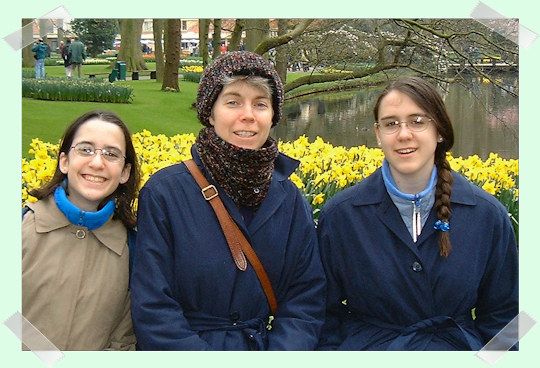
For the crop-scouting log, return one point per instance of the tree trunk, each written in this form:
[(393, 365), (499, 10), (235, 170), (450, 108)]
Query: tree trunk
[(130, 49), (236, 37), (216, 39), (256, 31), (158, 49), (204, 25), (281, 52), (60, 31), (27, 54), (170, 77)]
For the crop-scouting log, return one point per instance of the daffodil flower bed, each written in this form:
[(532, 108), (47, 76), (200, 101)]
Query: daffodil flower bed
[(188, 62), (192, 69), (324, 169), (192, 73), (89, 61), (75, 89)]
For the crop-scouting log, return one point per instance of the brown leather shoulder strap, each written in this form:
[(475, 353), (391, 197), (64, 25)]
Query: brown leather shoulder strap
[(238, 244), (210, 193)]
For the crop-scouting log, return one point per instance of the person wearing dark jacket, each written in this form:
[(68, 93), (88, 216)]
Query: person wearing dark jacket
[(416, 257), (187, 292), (77, 55), (66, 58), (40, 50)]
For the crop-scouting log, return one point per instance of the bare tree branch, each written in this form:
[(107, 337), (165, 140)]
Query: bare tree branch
[(274, 42)]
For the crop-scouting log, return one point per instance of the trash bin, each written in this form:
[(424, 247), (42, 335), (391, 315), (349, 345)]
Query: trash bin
[(121, 67)]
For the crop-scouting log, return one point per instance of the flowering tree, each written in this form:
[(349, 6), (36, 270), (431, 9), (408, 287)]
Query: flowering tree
[(426, 46), (365, 47)]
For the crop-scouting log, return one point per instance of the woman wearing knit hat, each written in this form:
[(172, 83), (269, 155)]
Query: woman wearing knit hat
[(188, 293)]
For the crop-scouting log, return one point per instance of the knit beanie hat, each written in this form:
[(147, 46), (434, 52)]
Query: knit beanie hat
[(236, 63)]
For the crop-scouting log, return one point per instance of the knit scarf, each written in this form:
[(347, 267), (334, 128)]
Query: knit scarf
[(91, 220), (244, 174)]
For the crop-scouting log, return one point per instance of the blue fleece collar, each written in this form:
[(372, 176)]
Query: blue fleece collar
[(91, 220), (391, 186)]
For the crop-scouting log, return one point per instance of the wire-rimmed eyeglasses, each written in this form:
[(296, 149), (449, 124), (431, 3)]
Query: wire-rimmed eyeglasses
[(417, 124), (87, 150)]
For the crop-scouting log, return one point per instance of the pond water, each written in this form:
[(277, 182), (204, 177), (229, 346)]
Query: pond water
[(485, 118)]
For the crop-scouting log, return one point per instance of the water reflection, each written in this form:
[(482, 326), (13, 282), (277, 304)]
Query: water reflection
[(485, 118)]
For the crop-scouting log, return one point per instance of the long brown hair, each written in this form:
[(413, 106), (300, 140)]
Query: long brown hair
[(125, 194), (427, 98)]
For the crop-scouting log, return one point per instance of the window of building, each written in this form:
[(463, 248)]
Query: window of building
[(148, 26)]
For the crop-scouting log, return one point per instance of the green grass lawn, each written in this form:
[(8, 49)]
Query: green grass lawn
[(152, 109)]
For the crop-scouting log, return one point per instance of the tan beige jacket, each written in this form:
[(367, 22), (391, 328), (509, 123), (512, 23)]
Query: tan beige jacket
[(75, 282)]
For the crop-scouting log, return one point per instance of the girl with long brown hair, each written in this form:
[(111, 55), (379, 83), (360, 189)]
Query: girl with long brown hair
[(416, 257), (75, 256)]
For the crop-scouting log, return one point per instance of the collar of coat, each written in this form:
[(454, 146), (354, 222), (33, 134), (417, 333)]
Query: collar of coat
[(48, 218), (373, 191)]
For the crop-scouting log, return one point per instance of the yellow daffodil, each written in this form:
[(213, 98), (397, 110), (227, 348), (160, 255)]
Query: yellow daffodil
[(324, 169)]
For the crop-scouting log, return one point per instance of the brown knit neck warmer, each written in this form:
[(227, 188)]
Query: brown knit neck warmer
[(244, 174)]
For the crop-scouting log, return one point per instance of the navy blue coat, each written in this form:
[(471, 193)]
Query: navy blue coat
[(402, 295), (187, 293)]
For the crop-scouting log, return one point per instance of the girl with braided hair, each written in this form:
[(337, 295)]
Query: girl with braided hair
[(413, 249)]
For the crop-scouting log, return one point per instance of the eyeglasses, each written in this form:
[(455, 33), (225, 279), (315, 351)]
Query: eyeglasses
[(418, 124), (109, 154)]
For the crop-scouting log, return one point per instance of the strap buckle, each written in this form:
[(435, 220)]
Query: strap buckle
[(211, 196)]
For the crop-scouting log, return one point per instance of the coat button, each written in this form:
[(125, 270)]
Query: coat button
[(80, 234), (234, 316), (417, 267)]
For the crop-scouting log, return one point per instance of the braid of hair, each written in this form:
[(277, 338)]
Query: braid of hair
[(442, 198)]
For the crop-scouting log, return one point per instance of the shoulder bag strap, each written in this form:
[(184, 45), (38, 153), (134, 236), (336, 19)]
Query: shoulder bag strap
[(238, 244)]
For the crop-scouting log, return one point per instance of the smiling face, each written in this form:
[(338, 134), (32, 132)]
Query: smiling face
[(242, 115), (411, 155), (92, 179)]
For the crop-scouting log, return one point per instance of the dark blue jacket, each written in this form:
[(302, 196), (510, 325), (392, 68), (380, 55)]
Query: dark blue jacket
[(402, 295), (187, 293)]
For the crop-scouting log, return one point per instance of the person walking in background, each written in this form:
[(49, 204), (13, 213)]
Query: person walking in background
[(77, 55), (190, 291), (416, 257), (76, 237), (40, 50), (66, 58)]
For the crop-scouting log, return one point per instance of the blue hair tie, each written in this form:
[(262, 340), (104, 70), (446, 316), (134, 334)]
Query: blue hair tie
[(441, 225)]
